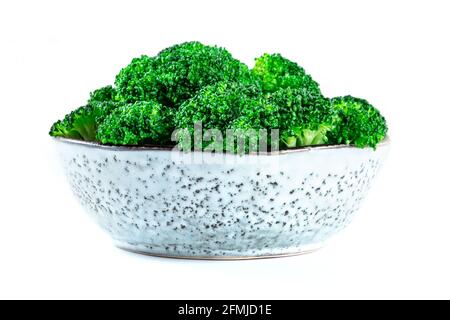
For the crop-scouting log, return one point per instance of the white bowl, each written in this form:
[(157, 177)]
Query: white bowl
[(200, 205)]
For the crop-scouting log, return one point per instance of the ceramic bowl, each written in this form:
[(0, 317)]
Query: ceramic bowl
[(200, 205)]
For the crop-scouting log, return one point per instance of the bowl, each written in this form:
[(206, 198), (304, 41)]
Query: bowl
[(199, 205)]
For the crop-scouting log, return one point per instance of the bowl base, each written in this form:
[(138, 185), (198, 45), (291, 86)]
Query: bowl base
[(304, 250)]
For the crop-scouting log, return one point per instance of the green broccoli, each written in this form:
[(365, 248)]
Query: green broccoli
[(229, 107), (221, 106), (190, 83), (304, 118), (177, 73), (254, 127), (216, 106), (137, 124), (105, 94), (82, 123), (65, 128), (185, 68), (357, 122), (276, 72), (137, 81)]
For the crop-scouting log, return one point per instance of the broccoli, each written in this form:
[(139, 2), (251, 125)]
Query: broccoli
[(137, 124), (82, 123), (216, 105), (191, 82), (357, 122), (177, 73), (305, 118), (185, 68), (276, 72), (137, 81), (225, 106), (105, 94), (65, 128), (258, 114)]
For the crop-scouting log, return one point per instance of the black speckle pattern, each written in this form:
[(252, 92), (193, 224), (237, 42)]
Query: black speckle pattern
[(151, 203)]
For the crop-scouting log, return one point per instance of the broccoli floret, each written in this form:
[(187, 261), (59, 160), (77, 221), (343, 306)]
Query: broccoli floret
[(216, 106), (258, 114), (177, 73), (190, 83), (357, 122), (304, 118), (137, 81), (231, 107), (186, 68), (105, 94), (276, 72), (224, 106), (82, 123), (64, 128), (137, 124)]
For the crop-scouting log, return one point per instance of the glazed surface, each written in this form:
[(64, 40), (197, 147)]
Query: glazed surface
[(199, 205)]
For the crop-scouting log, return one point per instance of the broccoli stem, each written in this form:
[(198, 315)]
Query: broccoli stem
[(290, 142)]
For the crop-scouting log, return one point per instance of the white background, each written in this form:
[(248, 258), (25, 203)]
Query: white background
[(394, 53)]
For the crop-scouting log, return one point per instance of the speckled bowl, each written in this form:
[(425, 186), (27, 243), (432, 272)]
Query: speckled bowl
[(198, 205)]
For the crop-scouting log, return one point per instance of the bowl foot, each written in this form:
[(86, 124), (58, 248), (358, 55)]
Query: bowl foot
[(295, 252)]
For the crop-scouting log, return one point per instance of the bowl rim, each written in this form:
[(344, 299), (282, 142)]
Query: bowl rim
[(95, 145)]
